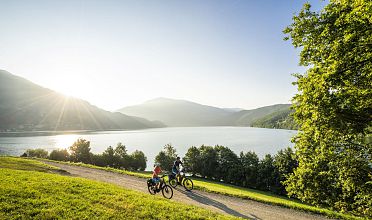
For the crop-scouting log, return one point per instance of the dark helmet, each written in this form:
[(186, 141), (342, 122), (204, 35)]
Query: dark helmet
[(178, 158)]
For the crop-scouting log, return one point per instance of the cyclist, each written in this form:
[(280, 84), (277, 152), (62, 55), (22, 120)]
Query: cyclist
[(176, 167), (155, 175)]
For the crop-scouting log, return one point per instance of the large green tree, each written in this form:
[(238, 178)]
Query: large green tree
[(249, 163), (166, 157), (80, 151), (192, 160), (333, 106)]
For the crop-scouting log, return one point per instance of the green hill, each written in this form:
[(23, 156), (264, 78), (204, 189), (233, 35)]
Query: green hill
[(25, 106), (32, 190), (280, 119), (248, 117)]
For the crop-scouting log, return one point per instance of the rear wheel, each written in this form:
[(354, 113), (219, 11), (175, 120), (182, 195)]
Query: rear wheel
[(188, 184), (152, 189), (167, 192)]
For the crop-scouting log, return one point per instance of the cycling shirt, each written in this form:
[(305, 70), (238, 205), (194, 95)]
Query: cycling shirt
[(177, 164), (156, 172)]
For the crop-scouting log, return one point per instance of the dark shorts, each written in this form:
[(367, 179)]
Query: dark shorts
[(174, 171), (156, 179)]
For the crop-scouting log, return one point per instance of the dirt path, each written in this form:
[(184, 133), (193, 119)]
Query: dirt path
[(224, 204)]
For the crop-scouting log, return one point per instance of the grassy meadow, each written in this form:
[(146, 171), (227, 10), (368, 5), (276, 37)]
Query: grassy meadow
[(30, 189), (236, 191)]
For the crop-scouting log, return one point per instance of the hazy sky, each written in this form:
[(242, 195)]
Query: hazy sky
[(118, 53)]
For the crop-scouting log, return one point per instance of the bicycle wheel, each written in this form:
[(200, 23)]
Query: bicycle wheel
[(173, 182), (167, 192), (151, 189), (188, 184)]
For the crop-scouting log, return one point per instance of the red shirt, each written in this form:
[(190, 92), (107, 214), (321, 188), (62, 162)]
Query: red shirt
[(156, 172)]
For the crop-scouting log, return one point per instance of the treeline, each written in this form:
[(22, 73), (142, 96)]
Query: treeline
[(80, 152), (246, 169)]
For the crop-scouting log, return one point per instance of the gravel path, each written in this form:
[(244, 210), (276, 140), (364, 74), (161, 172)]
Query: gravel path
[(220, 203)]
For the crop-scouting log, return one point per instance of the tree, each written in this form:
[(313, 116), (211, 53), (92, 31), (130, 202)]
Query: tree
[(208, 158), (228, 165), (39, 153), (285, 162), (80, 151), (249, 163), (98, 160), (333, 106), (267, 174), (138, 160), (166, 157), (59, 154), (121, 156), (109, 157), (192, 160)]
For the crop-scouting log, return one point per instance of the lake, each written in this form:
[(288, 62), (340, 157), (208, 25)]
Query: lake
[(151, 141)]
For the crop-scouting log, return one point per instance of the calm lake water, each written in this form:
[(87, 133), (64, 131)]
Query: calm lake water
[(151, 141)]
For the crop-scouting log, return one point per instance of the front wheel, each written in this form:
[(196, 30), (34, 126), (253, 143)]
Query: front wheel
[(167, 192), (188, 184), (173, 182)]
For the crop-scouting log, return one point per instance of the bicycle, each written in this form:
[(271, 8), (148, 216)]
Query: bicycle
[(186, 182), (166, 190)]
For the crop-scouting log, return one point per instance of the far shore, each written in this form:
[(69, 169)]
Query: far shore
[(59, 132)]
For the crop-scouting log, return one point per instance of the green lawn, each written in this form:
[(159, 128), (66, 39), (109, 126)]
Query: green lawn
[(29, 191), (246, 193), (25, 164)]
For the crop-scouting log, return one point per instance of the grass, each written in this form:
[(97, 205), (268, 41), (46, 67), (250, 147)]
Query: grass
[(235, 191), (29, 191), (26, 164)]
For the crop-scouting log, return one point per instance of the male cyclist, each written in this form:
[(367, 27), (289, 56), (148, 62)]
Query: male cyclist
[(176, 167)]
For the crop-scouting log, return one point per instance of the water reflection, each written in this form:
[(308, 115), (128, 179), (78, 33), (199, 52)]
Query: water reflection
[(64, 141)]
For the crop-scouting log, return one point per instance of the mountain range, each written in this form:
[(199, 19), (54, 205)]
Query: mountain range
[(26, 106), (182, 113)]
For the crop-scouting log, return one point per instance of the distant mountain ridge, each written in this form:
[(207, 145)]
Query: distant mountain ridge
[(173, 112), (25, 106)]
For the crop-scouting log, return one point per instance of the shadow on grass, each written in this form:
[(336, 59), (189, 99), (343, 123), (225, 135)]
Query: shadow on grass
[(211, 202)]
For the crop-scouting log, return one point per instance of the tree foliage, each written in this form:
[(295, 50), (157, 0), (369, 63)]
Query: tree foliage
[(222, 164), (80, 151), (59, 154), (166, 157), (249, 162), (119, 158), (137, 161), (333, 106), (39, 153)]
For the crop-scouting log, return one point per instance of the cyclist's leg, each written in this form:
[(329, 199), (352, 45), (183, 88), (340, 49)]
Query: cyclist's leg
[(175, 173), (157, 181)]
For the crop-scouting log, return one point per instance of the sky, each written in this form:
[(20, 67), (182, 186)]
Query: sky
[(118, 53)]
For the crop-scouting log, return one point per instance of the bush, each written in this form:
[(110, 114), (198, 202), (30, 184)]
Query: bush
[(98, 160), (59, 154), (39, 153), (138, 161)]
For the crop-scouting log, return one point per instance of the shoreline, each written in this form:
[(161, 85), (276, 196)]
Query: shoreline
[(46, 133)]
